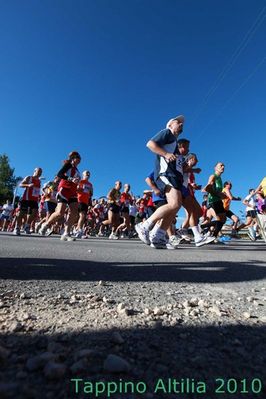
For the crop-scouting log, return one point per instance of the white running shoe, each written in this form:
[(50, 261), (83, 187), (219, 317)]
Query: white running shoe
[(174, 241), (67, 237), (43, 229), (204, 241), (183, 233), (143, 233), (158, 242), (37, 227), (79, 234), (100, 234), (16, 231), (113, 236), (251, 234), (49, 232)]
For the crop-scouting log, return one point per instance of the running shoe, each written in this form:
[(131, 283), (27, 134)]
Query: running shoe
[(158, 241), (225, 238), (37, 227), (143, 233), (67, 237), (204, 241), (27, 229), (16, 231), (100, 234), (184, 234), (43, 229), (79, 234), (49, 232), (113, 236), (251, 237), (174, 241)]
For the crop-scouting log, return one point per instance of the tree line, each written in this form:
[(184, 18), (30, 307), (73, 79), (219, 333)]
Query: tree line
[(8, 180)]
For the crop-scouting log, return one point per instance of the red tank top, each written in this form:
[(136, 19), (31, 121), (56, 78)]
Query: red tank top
[(32, 193)]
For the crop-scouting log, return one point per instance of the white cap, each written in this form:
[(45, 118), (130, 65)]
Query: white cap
[(180, 118)]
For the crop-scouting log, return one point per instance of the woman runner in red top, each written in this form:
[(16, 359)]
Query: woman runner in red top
[(29, 201), (66, 196), (85, 193), (125, 201)]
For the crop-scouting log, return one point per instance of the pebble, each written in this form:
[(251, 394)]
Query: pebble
[(116, 364), (87, 353), (158, 311), (116, 338), (16, 326), (214, 309), (79, 366), (54, 371), (4, 353), (39, 361)]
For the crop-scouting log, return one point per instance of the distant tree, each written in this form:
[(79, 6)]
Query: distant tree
[(8, 181)]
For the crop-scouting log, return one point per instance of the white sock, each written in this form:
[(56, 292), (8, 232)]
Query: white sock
[(148, 224), (157, 231), (196, 233)]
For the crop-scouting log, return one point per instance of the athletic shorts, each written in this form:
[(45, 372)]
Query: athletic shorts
[(83, 207), (66, 196), (172, 181), (114, 208), (28, 206), (218, 207), (5, 217), (132, 220), (251, 214), (62, 199), (50, 206), (124, 209), (159, 203), (229, 214)]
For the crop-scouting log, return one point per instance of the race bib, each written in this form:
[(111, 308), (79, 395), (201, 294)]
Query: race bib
[(35, 192)]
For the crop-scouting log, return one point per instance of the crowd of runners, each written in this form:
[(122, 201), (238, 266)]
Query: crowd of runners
[(65, 205)]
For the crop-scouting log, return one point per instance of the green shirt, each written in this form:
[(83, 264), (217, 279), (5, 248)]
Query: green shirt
[(218, 186)]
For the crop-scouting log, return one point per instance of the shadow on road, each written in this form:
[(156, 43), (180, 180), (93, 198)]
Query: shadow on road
[(80, 270), (202, 354)]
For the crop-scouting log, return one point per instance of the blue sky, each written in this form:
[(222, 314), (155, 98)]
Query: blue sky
[(102, 77)]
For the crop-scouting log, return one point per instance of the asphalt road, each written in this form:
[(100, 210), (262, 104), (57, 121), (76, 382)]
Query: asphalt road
[(191, 312), (35, 257)]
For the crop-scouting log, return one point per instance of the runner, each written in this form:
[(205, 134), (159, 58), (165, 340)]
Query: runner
[(66, 196), (214, 188), (189, 201), (85, 193), (29, 201), (125, 201), (169, 179), (6, 215), (261, 216), (226, 203), (113, 220), (159, 199), (49, 201), (251, 215)]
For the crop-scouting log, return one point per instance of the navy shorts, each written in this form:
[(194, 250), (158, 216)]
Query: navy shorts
[(50, 206), (170, 181)]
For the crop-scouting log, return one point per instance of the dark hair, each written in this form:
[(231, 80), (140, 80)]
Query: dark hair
[(227, 182), (72, 155), (182, 142)]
